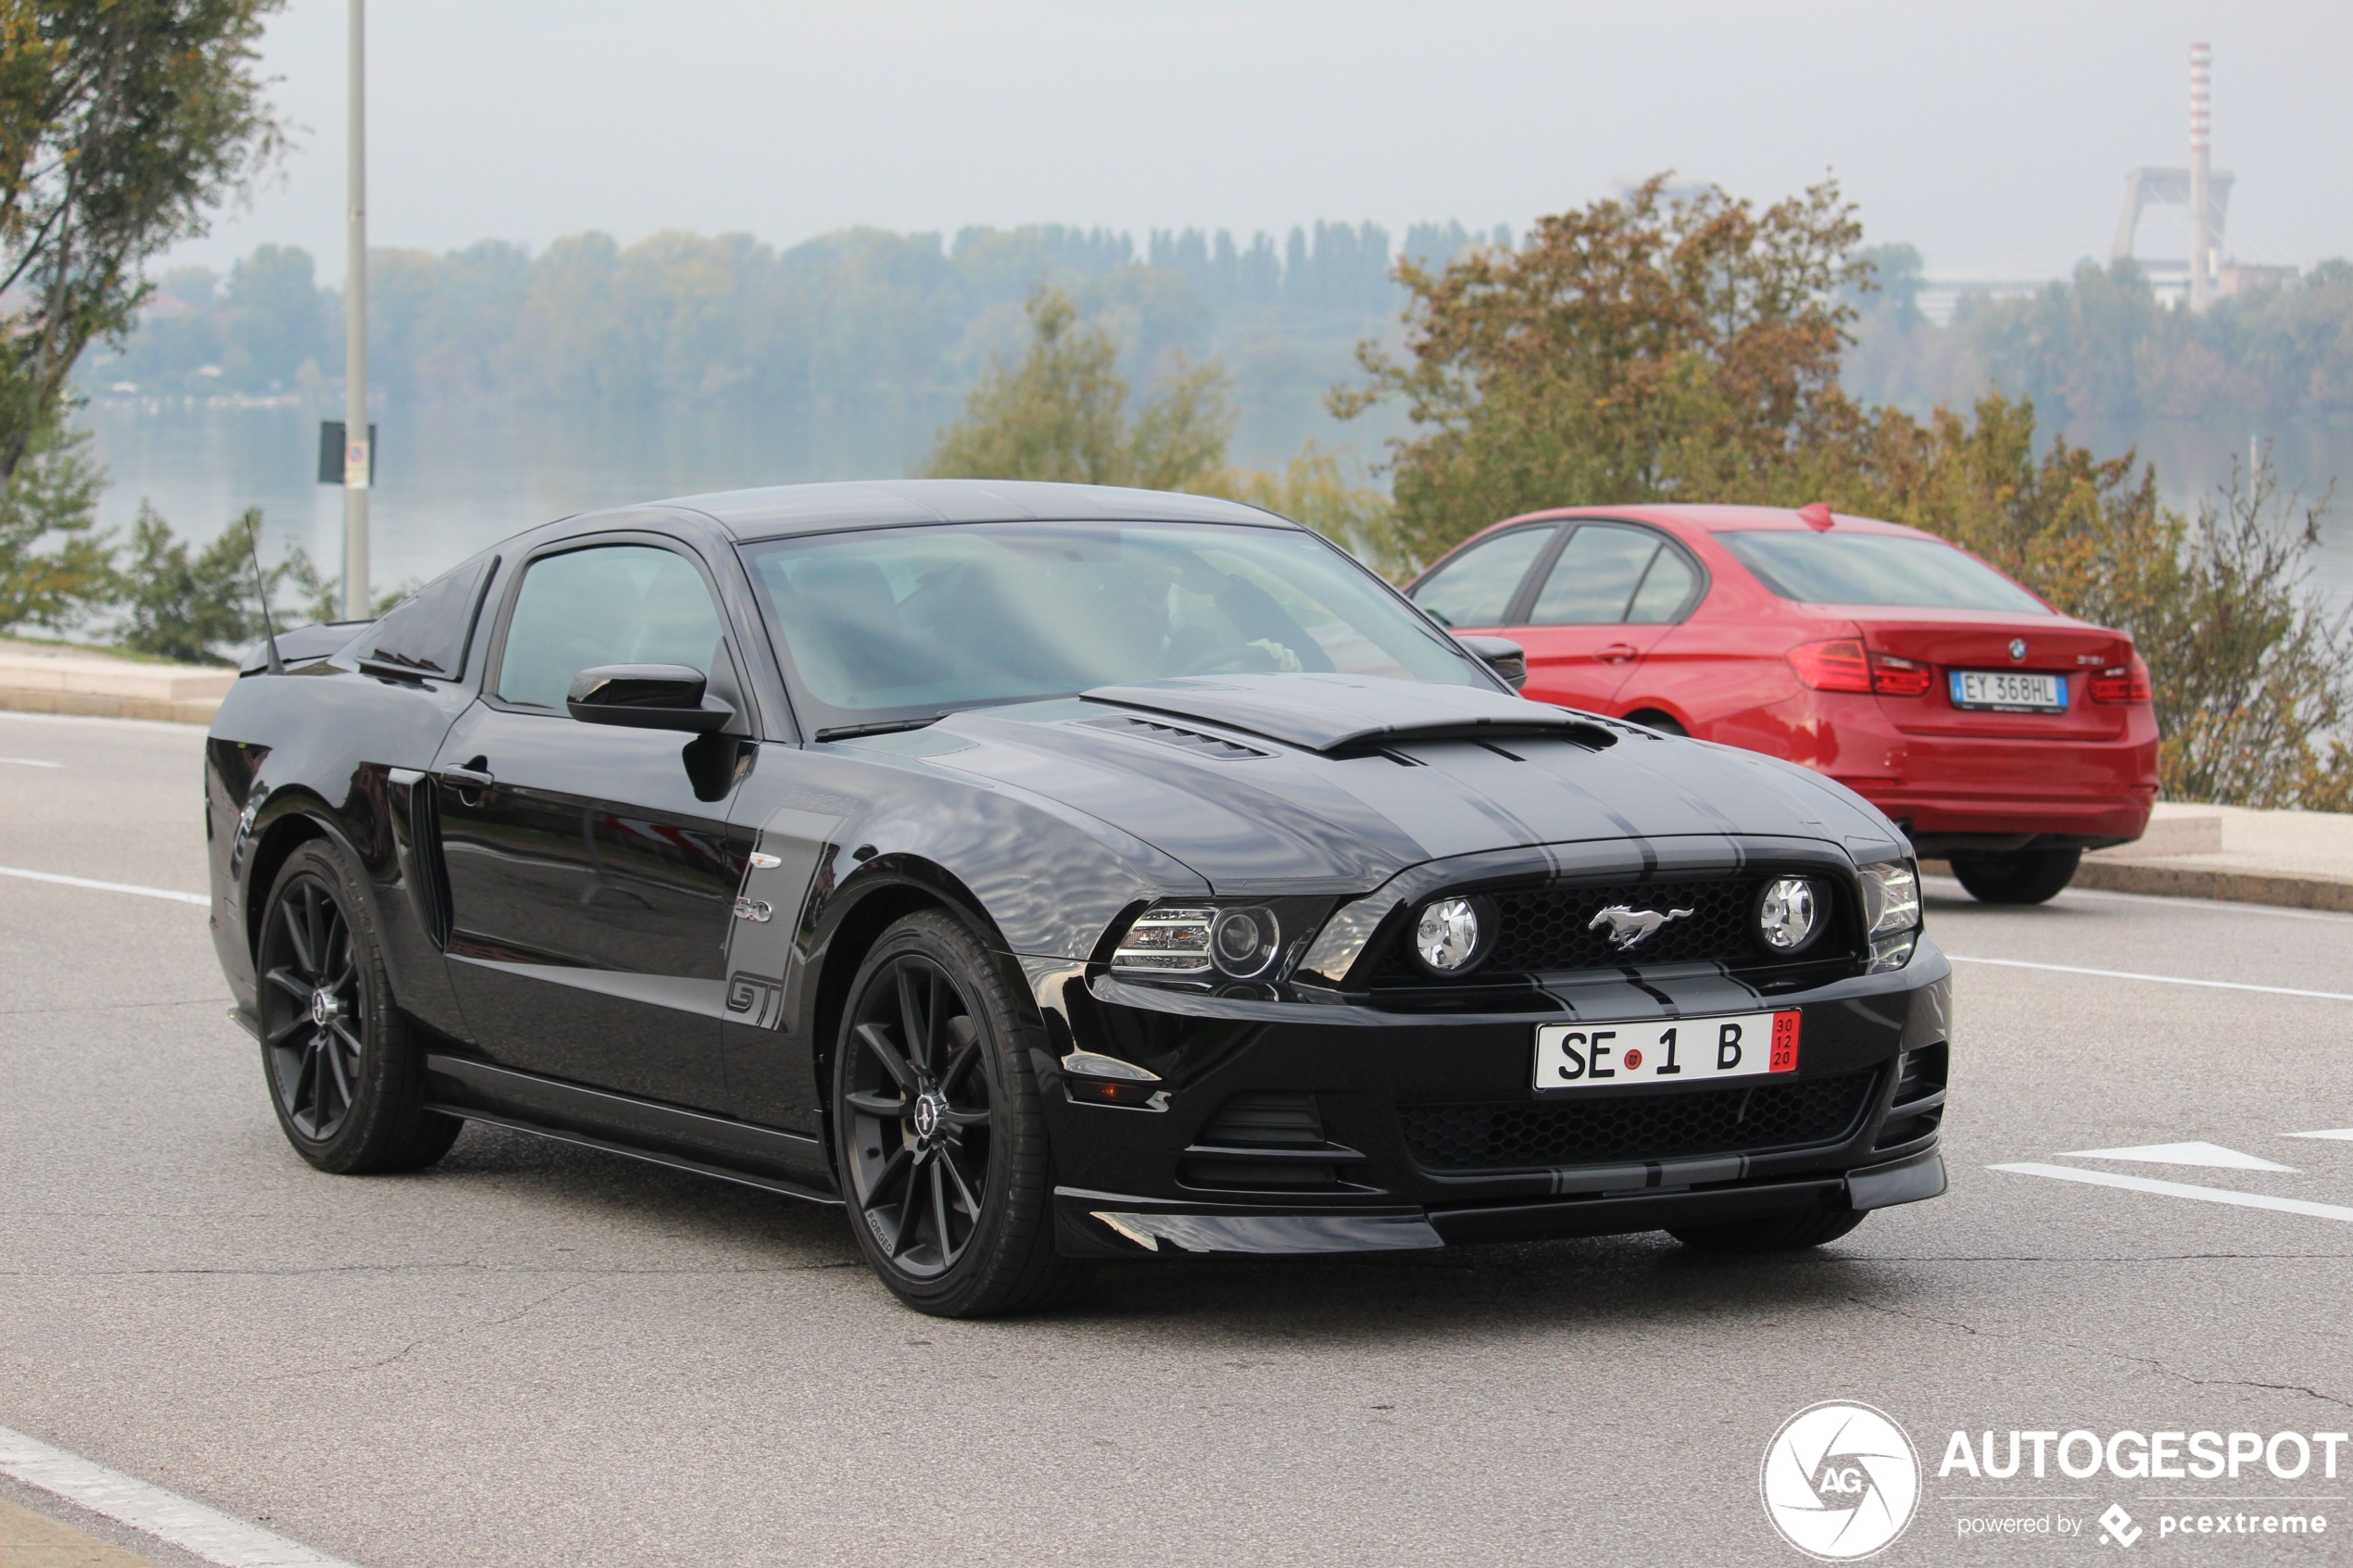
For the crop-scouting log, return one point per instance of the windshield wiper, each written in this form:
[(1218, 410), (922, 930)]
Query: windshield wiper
[(885, 727)]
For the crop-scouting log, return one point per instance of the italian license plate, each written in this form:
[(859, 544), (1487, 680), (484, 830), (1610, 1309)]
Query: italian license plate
[(2009, 691), (1688, 1050)]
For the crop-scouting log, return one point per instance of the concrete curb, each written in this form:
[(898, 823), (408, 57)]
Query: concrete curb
[(2204, 882), (105, 705), (2281, 889)]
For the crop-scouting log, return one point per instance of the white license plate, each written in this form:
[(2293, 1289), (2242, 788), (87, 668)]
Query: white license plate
[(2010, 690), (1689, 1051)]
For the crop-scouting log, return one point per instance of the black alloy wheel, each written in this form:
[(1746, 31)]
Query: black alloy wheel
[(919, 1115), (311, 1011), (348, 1086), (939, 1137)]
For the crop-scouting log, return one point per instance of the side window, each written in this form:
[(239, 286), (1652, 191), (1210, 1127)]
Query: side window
[(1475, 587), (1665, 588), (1594, 581), (612, 604)]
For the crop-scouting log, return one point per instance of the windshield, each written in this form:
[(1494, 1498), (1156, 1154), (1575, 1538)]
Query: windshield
[(897, 622), (1876, 569)]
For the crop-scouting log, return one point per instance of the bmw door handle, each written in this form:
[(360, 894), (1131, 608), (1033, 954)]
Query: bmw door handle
[(1620, 653)]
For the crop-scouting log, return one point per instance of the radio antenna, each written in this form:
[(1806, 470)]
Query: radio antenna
[(262, 589)]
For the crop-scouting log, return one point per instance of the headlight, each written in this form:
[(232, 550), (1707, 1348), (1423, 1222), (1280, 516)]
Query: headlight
[(1240, 942), (1891, 898), (1166, 942), (1791, 913), (1450, 934)]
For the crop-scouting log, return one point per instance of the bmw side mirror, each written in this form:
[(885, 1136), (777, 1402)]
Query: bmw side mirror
[(1506, 657), (645, 697)]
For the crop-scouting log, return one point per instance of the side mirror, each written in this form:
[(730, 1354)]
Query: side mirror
[(645, 697), (1501, 655)]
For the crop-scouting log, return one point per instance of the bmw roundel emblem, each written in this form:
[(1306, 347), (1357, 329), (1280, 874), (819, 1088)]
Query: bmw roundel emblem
[(2018, 649)]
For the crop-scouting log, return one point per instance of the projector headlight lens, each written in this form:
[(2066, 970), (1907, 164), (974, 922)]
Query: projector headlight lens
[(1244, 941)]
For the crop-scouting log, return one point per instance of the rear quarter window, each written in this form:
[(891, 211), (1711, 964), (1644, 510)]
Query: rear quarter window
[(1875, 569), (427, 633)]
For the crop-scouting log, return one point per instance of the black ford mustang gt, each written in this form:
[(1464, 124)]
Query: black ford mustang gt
[(1049, 874)]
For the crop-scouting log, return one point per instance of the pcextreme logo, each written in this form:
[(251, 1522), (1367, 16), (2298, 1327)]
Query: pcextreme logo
[(1841, 1481)]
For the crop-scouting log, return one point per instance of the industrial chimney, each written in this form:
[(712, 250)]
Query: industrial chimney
[(2202, 246)]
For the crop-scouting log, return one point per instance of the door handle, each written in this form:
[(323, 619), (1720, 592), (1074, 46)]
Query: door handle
[(471, 780), (1620, 653)]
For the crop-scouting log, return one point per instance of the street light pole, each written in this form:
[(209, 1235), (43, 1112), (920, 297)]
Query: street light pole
[(356, 456)]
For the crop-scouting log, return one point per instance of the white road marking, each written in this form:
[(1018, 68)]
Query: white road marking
[(30, 762), (190, 1525), (2212, 1155), (2343, 1134), (2182, 1189), (197, 898), (2157, 978)]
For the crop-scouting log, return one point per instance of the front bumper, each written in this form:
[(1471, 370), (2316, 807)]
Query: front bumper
[(1172, 1177)]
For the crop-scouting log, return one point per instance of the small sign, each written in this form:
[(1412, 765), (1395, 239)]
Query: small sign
[(338, 459)]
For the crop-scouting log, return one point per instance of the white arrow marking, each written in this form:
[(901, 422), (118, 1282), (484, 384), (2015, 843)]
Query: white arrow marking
[(2182, 1189)]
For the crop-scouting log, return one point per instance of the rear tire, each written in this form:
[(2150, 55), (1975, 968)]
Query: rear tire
[(345, 1080), (1778, 1233), (2017, 876), (940, 1132)]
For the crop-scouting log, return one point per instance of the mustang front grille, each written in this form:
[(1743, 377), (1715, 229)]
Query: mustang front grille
[(1551, 930), (1652, 1127)]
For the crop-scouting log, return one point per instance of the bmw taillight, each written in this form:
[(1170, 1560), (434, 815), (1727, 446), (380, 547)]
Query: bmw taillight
[(1843, 666), (2122, 682)]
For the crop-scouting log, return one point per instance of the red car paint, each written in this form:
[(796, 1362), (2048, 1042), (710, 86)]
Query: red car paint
[(1734, 661)]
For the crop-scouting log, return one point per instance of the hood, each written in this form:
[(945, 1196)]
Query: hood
[(1267, 784)]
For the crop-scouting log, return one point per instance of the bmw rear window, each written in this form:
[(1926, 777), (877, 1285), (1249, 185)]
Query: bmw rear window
[(1876, 569)]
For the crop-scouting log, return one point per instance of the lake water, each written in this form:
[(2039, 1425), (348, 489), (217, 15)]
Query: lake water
[(452, 480)]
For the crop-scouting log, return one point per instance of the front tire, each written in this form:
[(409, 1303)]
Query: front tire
[(2015, 876), (1777, 1232), (347, 1083), (939, 1131)]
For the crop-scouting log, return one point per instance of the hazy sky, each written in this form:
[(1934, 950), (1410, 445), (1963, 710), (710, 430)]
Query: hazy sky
[(1993, 135)]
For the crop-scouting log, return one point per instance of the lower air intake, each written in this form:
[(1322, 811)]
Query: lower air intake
[(1659, 1127)]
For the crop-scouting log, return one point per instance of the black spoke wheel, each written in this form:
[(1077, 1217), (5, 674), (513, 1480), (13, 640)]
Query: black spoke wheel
[(918, 1105), (311, 1010), (939, 1136), (349, 1088)]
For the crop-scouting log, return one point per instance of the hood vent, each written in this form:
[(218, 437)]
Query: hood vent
[(1353, 715), (1211, 746)]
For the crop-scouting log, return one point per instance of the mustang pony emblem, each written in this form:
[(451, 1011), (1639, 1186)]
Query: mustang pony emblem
[(1632, 927)]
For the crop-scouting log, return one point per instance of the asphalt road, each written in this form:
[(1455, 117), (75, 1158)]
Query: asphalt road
[(541, 1355)]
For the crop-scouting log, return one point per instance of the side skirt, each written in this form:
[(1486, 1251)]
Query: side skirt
[(684, 1140)]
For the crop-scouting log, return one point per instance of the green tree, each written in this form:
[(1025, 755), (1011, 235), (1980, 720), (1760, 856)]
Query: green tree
[(1647, 348), (193, 607), (52, 562), (122, 124), (1062, 414)]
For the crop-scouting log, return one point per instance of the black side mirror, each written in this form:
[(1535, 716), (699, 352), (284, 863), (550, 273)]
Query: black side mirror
[(1501, 655), (645, 697)]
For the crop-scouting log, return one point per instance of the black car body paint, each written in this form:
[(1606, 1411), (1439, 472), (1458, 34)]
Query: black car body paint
[(640, 939)]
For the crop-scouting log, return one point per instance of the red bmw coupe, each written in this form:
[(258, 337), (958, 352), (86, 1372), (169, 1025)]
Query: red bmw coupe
[(2001, 734)]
